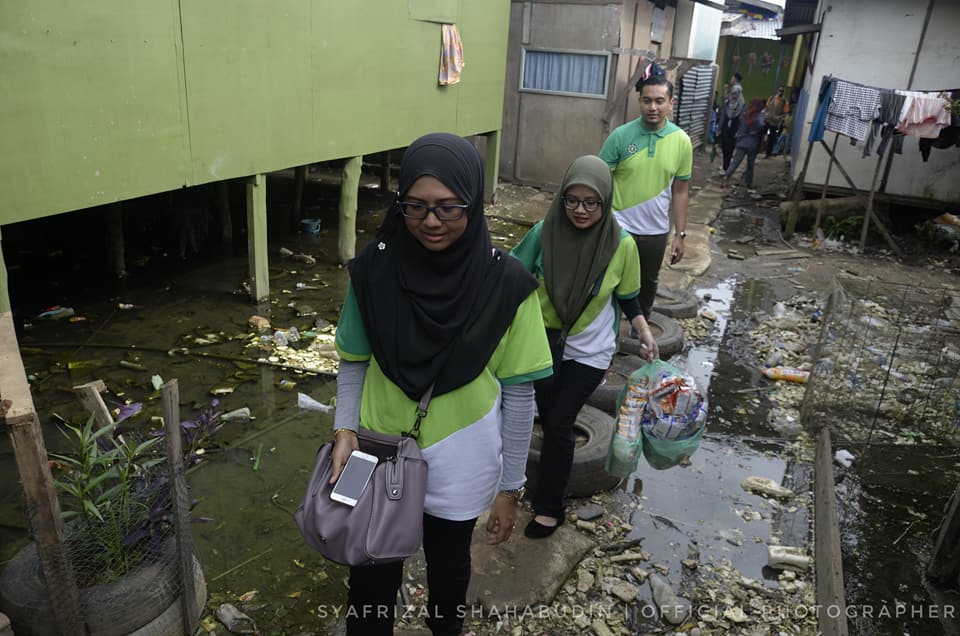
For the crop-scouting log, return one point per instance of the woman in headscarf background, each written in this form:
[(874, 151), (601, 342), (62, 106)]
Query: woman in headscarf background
[(729, 121), (749, 136), (431, 302), (589, 271)]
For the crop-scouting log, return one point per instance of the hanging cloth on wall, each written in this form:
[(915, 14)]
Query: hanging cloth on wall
[(884, 125), (823, 104), (852, 108), (924, 115), (451, 55)]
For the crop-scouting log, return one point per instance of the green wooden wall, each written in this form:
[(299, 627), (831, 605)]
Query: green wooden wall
[(106, 100)]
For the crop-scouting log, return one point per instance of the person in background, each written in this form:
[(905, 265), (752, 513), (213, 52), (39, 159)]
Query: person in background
[(432, 303), (652, 161), (783, 141), (729, 120), (776, 108), (588, 270), (749, 136)]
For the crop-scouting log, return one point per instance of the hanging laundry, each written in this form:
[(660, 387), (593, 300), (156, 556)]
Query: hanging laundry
[(924, 115), (884, 125), (949, 136), (451, 55), (823, 103), (852, 108)]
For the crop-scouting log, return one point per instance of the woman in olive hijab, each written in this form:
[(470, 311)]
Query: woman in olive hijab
[(588, 271)]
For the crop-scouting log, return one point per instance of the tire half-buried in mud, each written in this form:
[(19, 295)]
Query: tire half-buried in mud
[(145, 601), (666, 331), (676, 303), (605, 396), (593, 429)]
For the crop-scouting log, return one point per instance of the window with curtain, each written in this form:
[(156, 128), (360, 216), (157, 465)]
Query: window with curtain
[(564, 72)]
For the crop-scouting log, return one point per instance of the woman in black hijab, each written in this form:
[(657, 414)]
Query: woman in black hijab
[(432, 303)]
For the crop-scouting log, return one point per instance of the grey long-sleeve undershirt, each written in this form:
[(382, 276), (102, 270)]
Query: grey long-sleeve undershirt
[(516, 409)]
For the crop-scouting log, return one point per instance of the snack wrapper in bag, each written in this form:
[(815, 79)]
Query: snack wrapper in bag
[(671, 413)]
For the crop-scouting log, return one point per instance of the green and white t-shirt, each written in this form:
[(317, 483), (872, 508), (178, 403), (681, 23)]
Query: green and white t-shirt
[(593, 337), (460, 437), (644, 165)]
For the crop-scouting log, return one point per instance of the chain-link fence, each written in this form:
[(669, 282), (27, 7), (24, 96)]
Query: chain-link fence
[(887, 365)]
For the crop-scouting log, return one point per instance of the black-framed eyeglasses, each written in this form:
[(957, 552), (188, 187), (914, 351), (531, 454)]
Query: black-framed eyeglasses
[(589, 205), (443, 211)]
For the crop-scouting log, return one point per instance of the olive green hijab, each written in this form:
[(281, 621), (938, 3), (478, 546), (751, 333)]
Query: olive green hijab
[(573, 259)]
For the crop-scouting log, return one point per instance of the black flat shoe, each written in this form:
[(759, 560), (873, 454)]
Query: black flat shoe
[(536, 530)]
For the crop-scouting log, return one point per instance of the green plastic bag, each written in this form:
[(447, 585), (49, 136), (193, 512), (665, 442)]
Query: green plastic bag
[(661, 415)]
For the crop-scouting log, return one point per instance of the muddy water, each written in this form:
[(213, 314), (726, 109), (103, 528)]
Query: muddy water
[(248, 541)]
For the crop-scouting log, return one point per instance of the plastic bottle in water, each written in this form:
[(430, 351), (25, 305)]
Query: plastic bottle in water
[(280, 338), (789, 374), (293, 335)]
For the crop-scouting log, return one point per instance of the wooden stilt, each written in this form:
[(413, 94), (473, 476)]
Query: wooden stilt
[(796, 194), (257, 237), (870, 198), (491, 167), (299, 179), (113, 214), (880, 225), (4, 281), (223, 210), (170, 396), (385, 171), (40, 495), (826, 183), (349, 193)]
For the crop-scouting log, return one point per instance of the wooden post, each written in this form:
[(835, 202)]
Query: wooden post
[(299, 178), (385, 171), (826, 183), (491, 167), (113, 216), (944, 567), (43, 506), (257, 237), (870, 197), (170, 396), (349, 194), (89, 395), (796, 194), (827, 557), (223, 210), (880, 225), (4, 283)]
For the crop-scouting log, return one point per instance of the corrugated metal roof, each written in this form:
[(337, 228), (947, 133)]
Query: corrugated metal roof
[(754, 29)]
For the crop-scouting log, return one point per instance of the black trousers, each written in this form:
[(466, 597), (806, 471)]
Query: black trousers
[(651, 248), (773, 133), (559, 400), (727, 142), (372, 598)]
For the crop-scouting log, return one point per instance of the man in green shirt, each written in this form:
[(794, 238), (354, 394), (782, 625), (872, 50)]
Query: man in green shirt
[(652, 160)]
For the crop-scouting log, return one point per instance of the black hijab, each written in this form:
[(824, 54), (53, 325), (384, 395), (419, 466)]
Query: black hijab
[(437, 316)]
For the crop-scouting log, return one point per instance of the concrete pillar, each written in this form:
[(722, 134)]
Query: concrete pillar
[(296, 212), (491, 167), (349, 190), (257, 237)]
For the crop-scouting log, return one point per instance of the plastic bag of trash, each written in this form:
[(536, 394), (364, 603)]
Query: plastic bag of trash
[(661, 413)]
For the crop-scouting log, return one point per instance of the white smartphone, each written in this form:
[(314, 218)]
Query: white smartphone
[(354, 477)]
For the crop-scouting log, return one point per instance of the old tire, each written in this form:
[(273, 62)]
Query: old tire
[(587, 476), (676, 303), (117, 608), (170, 622), (605, 396), (666, 331)]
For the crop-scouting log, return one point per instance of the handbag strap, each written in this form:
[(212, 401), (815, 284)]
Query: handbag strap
[(421, 412)]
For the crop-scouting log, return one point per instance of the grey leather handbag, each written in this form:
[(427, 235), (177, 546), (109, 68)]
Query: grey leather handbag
[(387, 523)]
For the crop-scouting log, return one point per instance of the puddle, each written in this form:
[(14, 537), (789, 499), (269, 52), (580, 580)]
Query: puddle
[(251, 542)]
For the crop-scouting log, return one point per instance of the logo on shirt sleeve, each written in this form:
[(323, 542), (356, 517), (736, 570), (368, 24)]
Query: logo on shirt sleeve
[(632, 149)]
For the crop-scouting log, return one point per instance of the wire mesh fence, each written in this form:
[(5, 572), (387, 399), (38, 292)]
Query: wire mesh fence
[(887, 365)]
